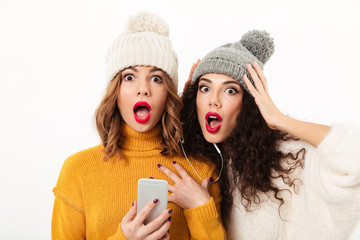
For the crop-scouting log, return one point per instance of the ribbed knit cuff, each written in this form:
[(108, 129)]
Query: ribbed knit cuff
[(118, 235), (202, 213)]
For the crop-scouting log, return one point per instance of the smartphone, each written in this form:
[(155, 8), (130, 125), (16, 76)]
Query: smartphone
[(148, 190)]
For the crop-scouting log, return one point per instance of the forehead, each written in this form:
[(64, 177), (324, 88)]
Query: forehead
[(141, 68)]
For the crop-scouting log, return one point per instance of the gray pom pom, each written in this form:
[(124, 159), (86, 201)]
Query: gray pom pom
[(259, 43), (147, 22)]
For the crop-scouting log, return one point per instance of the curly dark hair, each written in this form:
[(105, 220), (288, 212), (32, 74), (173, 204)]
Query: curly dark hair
[(252, 146)]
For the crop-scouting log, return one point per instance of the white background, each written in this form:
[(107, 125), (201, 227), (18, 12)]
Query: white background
[(52, 77)]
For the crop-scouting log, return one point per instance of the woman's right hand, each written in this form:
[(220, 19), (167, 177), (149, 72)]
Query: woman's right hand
[(135, 229)]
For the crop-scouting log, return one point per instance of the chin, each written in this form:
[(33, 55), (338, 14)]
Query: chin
[(211, 138), (138, 127)]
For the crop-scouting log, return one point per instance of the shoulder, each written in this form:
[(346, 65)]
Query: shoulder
[(69, 184), (80, 161), (294, 146), (76, 167), (89, 152)]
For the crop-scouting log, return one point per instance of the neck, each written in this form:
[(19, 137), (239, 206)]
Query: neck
[(134, 140)]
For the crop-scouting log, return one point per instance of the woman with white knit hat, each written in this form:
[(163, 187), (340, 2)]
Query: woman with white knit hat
[(139, 126)]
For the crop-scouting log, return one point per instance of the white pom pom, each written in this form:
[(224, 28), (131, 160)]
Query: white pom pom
[(147, 22), (259, 43)]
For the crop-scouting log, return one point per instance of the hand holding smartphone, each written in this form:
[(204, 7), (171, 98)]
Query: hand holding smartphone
[(148, 190)]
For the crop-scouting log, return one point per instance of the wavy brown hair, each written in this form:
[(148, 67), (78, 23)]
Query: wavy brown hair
[(109, 121), (252, 146)]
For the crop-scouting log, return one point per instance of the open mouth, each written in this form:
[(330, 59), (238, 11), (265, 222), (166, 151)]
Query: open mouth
[(142, 112), (213, 122)]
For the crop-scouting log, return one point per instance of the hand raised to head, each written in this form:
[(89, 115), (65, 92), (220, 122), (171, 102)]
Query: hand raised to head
[(268, 110)]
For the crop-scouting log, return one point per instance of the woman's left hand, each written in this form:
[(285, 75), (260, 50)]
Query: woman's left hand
[(186, 192), (268, 110)]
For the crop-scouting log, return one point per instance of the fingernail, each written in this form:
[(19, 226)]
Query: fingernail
[(152, 178), (170, 211), (211, 179), (159, 165), (174, 162), (133, 203), (170, 218), (155, 200)]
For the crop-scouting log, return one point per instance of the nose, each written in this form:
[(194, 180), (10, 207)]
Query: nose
[(143, 88), (214, 101)]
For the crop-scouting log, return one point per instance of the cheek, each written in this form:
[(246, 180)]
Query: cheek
[(163, 95), (199, 109), (159, 102), (235, 110), (200, 104), (122, 98), (163, 101)]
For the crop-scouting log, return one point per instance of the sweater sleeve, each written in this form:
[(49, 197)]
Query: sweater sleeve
[(69, 216), (340, 151), (67, 222), (68, 219), (329, 197), (205, 221)]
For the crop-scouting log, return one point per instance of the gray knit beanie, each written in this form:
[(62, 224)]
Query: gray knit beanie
[(231, 59)]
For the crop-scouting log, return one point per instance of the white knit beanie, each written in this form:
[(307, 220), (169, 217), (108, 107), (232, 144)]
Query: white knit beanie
[(145, 42)]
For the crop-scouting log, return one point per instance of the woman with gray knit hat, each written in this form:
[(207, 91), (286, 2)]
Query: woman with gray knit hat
[(138, 121), (281, 178)]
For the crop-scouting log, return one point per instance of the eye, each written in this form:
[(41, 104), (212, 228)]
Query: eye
[(156, 79), (129, 77), (204, 89), (231, 91)]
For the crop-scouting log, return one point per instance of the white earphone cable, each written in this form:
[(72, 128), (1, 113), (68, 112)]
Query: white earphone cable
[(182, 147), (222, 161), (217, 149)]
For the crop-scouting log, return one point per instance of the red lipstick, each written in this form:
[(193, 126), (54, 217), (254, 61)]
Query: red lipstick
[(142, 112), (216, 122)]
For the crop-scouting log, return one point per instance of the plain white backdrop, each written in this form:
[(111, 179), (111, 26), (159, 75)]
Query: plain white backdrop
[(52, 77)]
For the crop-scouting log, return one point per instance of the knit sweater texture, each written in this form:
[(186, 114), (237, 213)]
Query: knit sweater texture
[(323, 203), (92, 195)]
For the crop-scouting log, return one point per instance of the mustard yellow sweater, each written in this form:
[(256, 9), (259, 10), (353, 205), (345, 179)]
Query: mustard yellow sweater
[(92, 195)]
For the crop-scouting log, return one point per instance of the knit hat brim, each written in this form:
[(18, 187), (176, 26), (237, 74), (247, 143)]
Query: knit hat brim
[(226, 61)]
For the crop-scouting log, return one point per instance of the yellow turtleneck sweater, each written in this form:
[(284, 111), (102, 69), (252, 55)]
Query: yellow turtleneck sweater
[(93, 195)]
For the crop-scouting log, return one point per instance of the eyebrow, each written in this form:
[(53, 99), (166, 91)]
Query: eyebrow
[(155, 70), (224, 83), (132, 68)]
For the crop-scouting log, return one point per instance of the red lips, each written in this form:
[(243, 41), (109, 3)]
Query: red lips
[(142, 112), (213, 122)]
